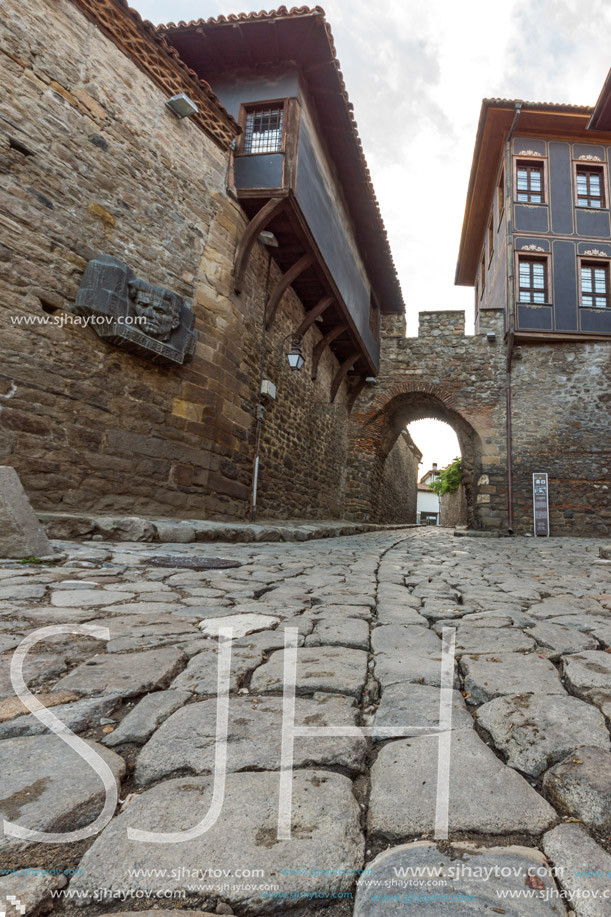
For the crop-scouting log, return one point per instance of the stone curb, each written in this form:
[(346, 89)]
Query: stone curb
[(81, 527)]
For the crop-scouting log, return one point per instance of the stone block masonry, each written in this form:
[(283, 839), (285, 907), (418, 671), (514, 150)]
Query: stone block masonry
[(92, 161), (448, 376)]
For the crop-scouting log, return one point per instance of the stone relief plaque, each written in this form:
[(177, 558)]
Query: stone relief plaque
[(135, 315)]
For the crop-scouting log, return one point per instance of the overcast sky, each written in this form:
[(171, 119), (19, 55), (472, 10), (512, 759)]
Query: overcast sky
[(416, 72)]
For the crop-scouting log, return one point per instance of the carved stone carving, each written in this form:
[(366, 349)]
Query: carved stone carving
[(589, 157), (531, 153), (531, 248), (596, 252), (135, 315)]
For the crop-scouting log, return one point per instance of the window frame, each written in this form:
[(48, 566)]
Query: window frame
[(598, 260), (592, 166), (482, 274), (245, 109), (491, 238), (546, 258), (540, 161), (500, 196)]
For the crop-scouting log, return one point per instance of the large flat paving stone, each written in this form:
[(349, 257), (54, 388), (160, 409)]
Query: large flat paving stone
[(398, 638), (588, 672), (126, 674), (581, 786), (141, 722), (32, 891), (487, 677), (78, 717), (395, 613), (414, 705), (486, 796), (410, 667), (186, 741), (325, 829), (201, 674), (37, 670), (46, 786), (561, 639), (351, 632), (471, 638), (85, 598), (325, 668), (582, 868), (469, 883), (536, 731)]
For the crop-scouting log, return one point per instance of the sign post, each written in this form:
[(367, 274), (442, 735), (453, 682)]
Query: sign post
[(540, 505)]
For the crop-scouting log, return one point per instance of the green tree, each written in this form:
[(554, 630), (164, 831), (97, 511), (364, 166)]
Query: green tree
[(449, 479)]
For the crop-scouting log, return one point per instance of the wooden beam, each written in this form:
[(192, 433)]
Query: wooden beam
[(284, 283), (313, 314), (342, 372), (323, 344), (258, 223)]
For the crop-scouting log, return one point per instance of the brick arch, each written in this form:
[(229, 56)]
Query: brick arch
[(375, 429)]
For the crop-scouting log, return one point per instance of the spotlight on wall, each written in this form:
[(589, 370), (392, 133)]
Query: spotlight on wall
[(371, 380), (295, 354), (491, 337), (268, 238), (182, 105)]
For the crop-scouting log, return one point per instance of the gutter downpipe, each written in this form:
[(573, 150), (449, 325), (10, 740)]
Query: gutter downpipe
[(510, 311)]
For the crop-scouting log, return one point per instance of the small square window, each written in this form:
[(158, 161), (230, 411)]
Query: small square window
[(533, 284), (263, 129), (590, 186), (594, 284), (530, 181)]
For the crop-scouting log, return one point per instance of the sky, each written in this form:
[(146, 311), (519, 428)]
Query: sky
[(416, 72)]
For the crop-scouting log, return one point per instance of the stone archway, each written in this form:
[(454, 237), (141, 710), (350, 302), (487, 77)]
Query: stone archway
[(378, 420)]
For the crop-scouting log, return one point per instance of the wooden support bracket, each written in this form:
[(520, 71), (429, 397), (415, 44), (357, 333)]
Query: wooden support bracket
[(258, 223), (313, 314), (284, 283), (323, 344), (342, 372)]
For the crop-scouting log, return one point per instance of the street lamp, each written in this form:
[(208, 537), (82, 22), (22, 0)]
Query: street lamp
[(295, 355)]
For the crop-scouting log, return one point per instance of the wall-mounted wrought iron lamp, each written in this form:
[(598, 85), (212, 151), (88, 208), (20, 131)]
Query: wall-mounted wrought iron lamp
[(182, 105), (295, 354)]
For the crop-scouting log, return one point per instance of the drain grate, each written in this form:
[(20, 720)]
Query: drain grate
[(190, 562)]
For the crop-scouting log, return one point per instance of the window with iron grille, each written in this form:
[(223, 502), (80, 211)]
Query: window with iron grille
[(263, 132), (529, 182), (532, 278), (595, 284), (590, 186)]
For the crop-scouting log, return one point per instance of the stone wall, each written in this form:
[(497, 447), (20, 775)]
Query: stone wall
[(453, 508), (446, 375), (94, 162), (399, 488), (561, 397)]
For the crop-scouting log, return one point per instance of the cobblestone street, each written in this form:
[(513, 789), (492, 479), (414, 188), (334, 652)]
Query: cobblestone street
[(530, 759)]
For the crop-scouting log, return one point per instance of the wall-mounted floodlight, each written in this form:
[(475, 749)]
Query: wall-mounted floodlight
[(182, 105), (491, 337), (371, 380), (268, 238)]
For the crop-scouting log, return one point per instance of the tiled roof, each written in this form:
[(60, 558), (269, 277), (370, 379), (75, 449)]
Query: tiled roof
[(558, 106), (139, 40), (394, 298)]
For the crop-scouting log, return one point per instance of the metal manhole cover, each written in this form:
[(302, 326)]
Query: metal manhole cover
[(190, 562)]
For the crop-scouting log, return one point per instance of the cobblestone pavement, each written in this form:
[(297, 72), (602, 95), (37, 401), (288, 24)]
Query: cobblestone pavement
[(529, 811)]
